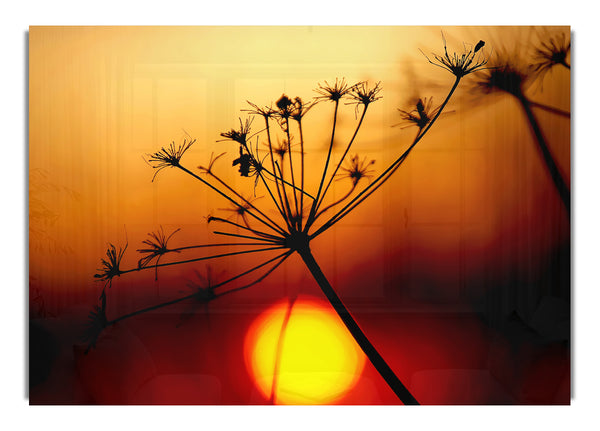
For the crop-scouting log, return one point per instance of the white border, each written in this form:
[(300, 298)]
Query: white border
[(16, 18)]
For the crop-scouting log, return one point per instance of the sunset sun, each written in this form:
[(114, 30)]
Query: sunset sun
[(317, 360)]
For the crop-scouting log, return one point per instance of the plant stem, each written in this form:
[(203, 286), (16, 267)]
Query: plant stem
[(372, 354), (313, 208), (557, 178), (340, 200), (301, 171), (551, 109), (295, 188), (362, 117), (289, 139), (216, 256)]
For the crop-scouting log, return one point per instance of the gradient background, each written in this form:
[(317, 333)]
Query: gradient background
[(458, 268)]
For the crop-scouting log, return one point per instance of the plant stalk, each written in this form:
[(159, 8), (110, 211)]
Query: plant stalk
[(559, 182), (367, 347)]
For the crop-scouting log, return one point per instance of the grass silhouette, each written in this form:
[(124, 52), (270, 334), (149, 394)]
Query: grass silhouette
[(278, 174)]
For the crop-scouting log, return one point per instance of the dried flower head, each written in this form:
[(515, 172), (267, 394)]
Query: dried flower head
[(266, 112), (460, 65), (284, 106), (300, 109), (110, 266), (168, 157), (240, 135), (245, 162), (157, 247), (249, 164), (363, 95), (507, 77), (422, 115), (552, 53), (333, 92), (357, 169)]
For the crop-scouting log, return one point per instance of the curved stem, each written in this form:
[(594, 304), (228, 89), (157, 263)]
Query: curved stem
[(359, 336), (340, 200)]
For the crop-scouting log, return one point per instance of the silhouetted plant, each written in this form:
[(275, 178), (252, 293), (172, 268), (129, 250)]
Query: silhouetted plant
[(157, 248), (420, 116), (280, 174), (512, 76), (552, 52), (111, 265)]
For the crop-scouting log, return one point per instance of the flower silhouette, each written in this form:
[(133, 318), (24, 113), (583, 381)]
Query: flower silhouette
[(157, 247), (357, 169), (110, 265), (168, 157), (469, 61)]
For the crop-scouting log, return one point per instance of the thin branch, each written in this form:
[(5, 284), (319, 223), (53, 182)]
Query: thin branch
[(245, 236), (343, 156), (313, 208), (275, 202), (286, 200), (301, 171), (289, 139), (342, 199), (235, 253), (256, 232), (190, 247), (283, 257), (193, 295), (276, 228), (551, 109), (228, 187)]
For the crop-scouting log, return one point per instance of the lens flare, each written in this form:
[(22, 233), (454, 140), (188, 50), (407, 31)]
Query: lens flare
[(317, 360)]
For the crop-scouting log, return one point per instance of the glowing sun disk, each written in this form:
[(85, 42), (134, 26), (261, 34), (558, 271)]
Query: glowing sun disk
[(318, 361)]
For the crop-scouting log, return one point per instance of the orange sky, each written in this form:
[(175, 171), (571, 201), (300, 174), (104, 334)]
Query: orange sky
[(102, 97)]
